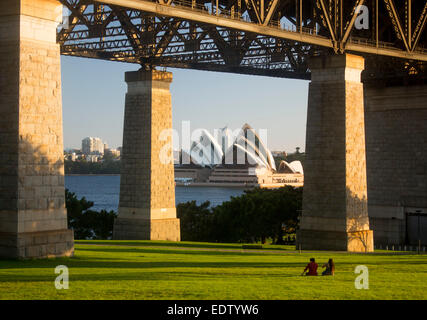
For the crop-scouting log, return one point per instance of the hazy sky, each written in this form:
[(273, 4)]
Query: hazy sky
[(94, 95)]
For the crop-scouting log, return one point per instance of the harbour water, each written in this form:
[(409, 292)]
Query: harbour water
[(104, 190)]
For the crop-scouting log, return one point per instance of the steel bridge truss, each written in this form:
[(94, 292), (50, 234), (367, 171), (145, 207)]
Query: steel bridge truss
[(263, 37)]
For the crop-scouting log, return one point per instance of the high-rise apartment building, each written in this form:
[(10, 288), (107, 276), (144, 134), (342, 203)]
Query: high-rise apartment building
[(92, 145)]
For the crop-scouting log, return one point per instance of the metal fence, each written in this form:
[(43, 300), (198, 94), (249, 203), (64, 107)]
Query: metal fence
[(402, 248)]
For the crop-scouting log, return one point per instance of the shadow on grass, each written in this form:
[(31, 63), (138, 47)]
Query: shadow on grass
[(95, 261), (122, 261), (101, 263), (125, 262), (173, 251), (144, 276), (150, 243)]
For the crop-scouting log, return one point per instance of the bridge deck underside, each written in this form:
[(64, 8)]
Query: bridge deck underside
[(265, 37)]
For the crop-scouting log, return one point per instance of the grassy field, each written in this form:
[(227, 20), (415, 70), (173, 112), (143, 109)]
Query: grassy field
[(164, 270)]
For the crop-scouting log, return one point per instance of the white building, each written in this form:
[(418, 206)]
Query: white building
[(236, 158), (92, 145), (92, 158), (115, 153)]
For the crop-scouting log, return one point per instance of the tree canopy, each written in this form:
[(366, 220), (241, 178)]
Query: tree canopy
[(88, 224), (256, 215)]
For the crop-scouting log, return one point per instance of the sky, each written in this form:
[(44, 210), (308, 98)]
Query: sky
[(94, 94)]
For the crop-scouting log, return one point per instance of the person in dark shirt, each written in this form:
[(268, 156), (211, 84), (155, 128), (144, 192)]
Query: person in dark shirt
[(329, 268), (311, 267)]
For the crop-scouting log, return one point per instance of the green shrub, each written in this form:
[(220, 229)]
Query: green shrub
[(256, 215), (88, 224)]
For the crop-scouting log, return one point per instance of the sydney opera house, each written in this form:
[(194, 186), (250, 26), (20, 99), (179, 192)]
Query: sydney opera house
[(234, 159)]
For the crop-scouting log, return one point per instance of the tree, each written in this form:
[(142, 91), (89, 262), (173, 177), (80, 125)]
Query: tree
[(296, 156), (256, 215), (88, 224), (84, 167), (195, 220)]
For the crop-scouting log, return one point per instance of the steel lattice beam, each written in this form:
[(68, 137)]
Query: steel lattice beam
[(266, 37)]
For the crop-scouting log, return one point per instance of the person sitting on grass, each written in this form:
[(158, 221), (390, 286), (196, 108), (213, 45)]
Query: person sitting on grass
[(311, 267), (330, 268)]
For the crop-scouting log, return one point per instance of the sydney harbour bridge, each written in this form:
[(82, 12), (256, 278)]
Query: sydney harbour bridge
[(264, 37), (365, 171)]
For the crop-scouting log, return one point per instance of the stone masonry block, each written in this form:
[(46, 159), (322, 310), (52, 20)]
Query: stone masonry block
[(147, 180), (335, 187), (31, 143)]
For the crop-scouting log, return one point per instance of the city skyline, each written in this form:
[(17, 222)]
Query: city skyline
[(194, 138), (275, 104)]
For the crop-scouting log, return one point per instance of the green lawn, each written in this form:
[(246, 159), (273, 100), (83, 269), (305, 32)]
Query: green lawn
[(165, 270)]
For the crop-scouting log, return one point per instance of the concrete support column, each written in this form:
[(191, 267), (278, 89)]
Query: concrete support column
[(147, 187), (396, 157), (33, 218), (335, 212)]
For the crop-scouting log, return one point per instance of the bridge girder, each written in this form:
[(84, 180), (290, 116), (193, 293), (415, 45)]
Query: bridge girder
[(263, 37)]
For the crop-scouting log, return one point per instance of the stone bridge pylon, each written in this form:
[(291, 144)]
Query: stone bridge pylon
[(33, 217), (147, 189), (335, 201)]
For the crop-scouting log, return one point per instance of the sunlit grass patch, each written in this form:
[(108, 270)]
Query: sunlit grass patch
[(165, 270)]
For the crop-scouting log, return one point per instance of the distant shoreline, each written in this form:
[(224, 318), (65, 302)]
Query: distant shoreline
[(194, 184), (202, 184), (92, 174), (215, 184)]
